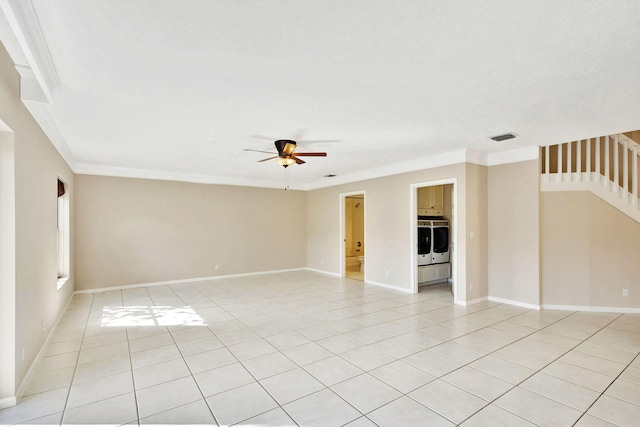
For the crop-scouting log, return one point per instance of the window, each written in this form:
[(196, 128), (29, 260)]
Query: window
[(63, 235)]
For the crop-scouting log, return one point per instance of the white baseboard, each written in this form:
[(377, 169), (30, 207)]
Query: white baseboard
[(591, 308), (328, 273), (385, 285), (8, 402), (178, 281), (472, 302), (516, 303), (25, 380)]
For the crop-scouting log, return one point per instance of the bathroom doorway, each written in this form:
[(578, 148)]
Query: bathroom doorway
[(354, 234)]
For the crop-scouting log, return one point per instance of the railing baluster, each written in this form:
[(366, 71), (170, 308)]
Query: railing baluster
[(607, 160), (625, 169), (569, 164), (588, 159), (616, 164), (635, 175), (634, 169), (579, 159), (547, 151), (598, 159), (559, 176)]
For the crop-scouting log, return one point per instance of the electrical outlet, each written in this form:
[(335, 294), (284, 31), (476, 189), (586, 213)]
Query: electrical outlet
[(217, 267), (386, 273), (321, 261), (470, 285), (625, 292), (43, 326), (472, 235)]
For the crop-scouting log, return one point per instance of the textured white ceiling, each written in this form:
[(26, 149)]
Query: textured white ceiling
[(176, 89)]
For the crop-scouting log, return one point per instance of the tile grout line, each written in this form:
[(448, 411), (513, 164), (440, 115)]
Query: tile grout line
[(75, 368), (186, 364), (540, 370), (609, 386), (287, 306)]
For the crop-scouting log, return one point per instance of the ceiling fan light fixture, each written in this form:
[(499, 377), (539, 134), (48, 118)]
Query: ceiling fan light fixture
[(285, 161), (289, 147)]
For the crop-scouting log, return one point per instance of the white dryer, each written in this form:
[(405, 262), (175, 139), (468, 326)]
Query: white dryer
[(440, 241)]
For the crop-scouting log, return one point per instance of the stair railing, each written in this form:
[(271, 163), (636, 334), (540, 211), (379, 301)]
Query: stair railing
[(611, 161)]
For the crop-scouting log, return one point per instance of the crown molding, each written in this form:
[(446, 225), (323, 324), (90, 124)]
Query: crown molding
[(422, 163), (530, 152), (123, 172), (40, 112), (24, 24)]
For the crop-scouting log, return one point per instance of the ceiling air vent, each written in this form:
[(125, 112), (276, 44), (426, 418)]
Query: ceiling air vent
[(503, 137)]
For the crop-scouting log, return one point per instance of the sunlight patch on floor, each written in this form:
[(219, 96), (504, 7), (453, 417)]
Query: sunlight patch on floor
[(150, 316)]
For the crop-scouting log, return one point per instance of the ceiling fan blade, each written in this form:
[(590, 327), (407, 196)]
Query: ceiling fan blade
[(259, 151), (268, 158), (266, 138), (298, 161), (317, 141), (295, 154)]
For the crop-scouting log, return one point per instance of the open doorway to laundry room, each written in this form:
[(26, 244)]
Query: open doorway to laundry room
[(354, 235), (434, 236)]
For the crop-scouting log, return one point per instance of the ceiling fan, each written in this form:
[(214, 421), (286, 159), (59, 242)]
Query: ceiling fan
[(286, 155)]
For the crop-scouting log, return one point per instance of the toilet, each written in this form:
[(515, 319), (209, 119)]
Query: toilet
[(361, 261)]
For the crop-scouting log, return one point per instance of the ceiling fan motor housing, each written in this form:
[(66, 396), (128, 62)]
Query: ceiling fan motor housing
[(285, 146)]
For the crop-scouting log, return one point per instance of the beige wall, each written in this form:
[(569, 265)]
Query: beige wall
[(389, 223), (588, 252), (514, 270), (477, 224), (37, 168), (131, 231)]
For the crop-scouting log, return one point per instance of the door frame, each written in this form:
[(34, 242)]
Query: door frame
[(343, 230), (8, 396), (413, 238)]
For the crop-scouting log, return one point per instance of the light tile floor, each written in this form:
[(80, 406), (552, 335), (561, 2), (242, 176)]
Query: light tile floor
[(308, 349)]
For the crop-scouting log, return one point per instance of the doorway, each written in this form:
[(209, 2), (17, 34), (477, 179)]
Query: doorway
[(353, 247), (7, 269), (433, 208)]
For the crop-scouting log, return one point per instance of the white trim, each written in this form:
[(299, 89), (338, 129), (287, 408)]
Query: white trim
[(8, 402), (27, 377), (343, 230), (385, 285), (7, 267), (594, 309), (413, 203), (516, 303), (531, 152), (25, 27), (473, 301), (328, 273), (42, 115), (178, 281), (123, 172), (603, 192), (418, 164)]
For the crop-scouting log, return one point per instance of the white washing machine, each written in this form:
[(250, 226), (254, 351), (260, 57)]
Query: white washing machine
[(425, 232), (440, 241)]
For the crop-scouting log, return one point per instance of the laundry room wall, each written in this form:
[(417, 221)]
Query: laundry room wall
[(477, 276), (514, 254), (388, 226)]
